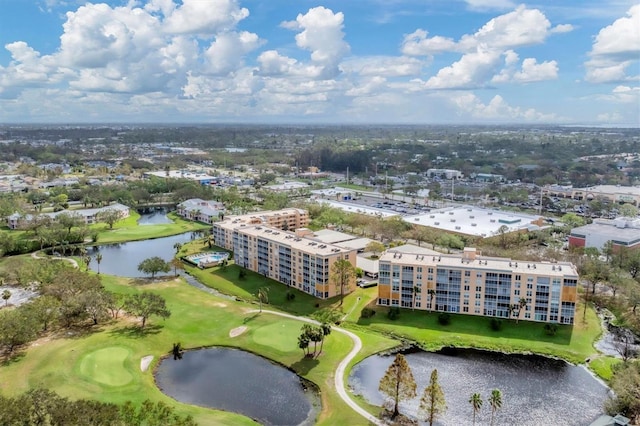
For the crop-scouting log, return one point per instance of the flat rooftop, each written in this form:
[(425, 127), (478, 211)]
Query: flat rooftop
[(330, 236), (609, 230), (353, 208), (612, 189), (475, 221), (489, 264), (291, 240)]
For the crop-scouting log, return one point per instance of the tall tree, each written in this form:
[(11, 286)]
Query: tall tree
[(145, 304), (342, 274), (153, 265), (432, 404), (109, 216), (398, 383), (476, 405), (17, 327), (495, 401), (44, 309)]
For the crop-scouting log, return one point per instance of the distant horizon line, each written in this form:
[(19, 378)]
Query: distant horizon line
[(318, 124)]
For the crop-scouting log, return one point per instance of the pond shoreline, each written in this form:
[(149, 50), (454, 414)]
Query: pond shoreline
[(310, 390)]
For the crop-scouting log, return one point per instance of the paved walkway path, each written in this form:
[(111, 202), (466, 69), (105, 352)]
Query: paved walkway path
[(71, 261), (342, 367)]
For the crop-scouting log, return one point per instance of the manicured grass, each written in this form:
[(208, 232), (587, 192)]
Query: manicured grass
[(107, 366), (128, 229), (603, 366), (573, 344), (74, 362)]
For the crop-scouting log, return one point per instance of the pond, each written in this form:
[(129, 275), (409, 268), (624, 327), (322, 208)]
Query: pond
[(535, 390), (154, 217), (241, 382), (123, 259)]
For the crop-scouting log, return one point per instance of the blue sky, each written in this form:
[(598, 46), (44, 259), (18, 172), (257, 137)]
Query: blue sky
[(333, 61)]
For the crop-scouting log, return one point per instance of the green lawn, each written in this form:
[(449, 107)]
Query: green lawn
[(104, 364), (603, 366), (128, 229), (573, 344)]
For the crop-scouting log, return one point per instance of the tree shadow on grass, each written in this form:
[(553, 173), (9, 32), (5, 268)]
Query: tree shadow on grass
[(250, 318), (6, 359), (305, 365), (77, 331), (136, 332)]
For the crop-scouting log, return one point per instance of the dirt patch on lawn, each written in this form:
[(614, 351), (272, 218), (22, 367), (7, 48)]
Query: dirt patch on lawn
[(237, 331), (145, 362), (220, 305)]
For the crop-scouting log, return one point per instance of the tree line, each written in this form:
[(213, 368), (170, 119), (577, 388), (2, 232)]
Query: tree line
[(68, 297), (43, 407)]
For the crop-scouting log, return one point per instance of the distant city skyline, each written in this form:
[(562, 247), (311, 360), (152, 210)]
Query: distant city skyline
[(356, 61)]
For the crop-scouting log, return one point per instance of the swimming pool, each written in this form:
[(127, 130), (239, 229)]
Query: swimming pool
[(208, 259)]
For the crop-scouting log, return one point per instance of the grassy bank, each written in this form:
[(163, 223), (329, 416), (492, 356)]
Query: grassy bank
[(71, 362), (129, 230), (574, 344)]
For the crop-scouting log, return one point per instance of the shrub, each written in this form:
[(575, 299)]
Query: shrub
[(495, 324), (367, 313), (444, 319), (551, 329), (290, 295), (394, 313)]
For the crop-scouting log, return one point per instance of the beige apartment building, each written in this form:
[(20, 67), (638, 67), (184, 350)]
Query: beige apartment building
[(471, 284), (260, 244), (285, 219)]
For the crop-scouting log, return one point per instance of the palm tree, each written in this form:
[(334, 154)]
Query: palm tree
[(263, 296), (416, 290), (177, 247), (6, 295), (476, 404), (495, 400), (326, 330), (98, 261), (432, 294)]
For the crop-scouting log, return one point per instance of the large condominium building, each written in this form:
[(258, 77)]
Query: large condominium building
[(262, 243), (290, 258), (476, 285), (285, 219)]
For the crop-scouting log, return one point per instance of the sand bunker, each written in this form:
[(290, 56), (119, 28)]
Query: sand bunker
[(145, 362), (237, 331)]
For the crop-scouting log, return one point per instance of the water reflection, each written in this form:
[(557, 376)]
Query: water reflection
[(154, 217), (536, 390), (123, 259), (238, 381)]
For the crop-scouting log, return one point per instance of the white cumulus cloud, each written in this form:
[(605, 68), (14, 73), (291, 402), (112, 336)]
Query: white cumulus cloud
[(480, 62), (614, 49)]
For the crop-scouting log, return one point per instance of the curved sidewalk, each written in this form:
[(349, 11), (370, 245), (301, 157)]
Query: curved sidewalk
[(67, 259), (342, 367)]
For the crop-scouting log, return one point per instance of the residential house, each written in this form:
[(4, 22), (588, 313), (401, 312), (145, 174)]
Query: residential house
[(201, 210)]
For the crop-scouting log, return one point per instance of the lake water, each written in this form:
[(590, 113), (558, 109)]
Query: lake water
[(535, 390), (123, 259), (241, 382), (154, 217)]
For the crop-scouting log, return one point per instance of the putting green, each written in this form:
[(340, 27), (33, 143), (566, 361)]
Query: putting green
[(281, 335), (106, 366)]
